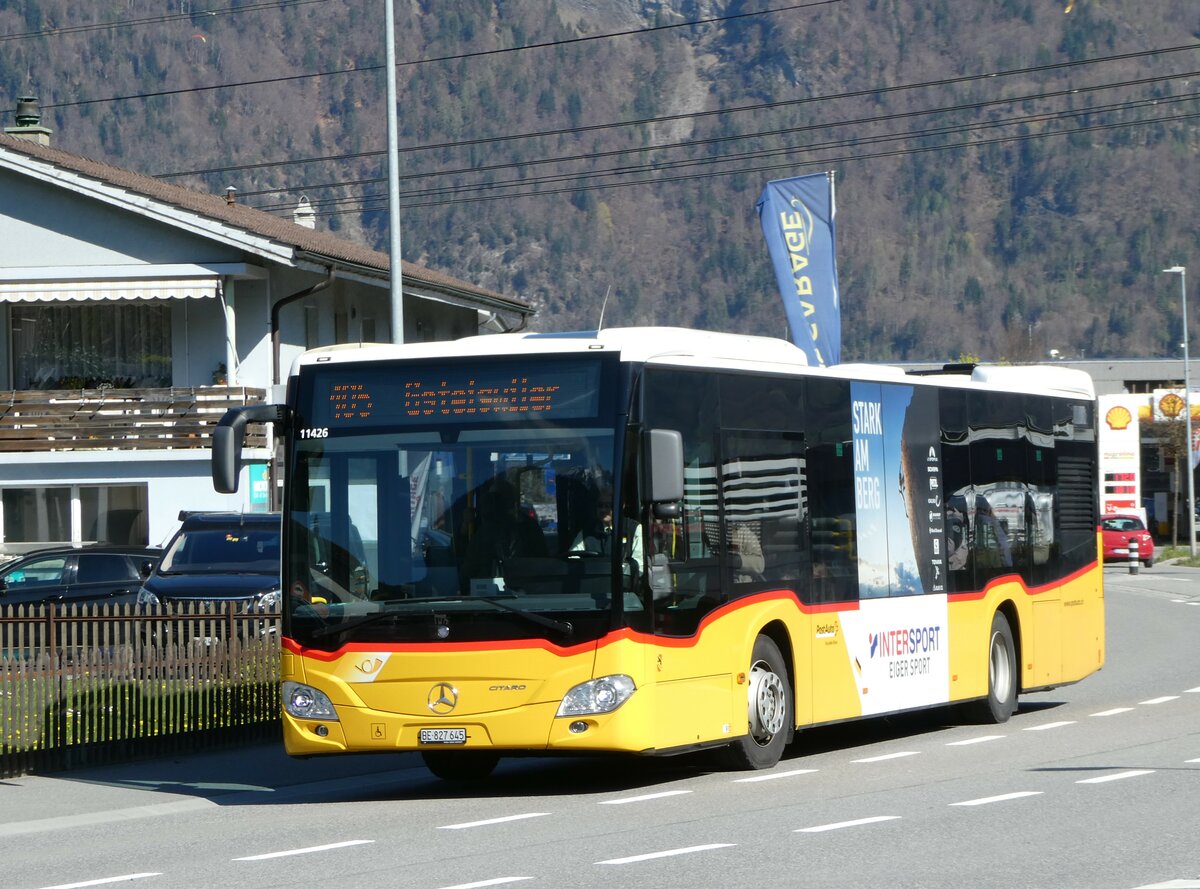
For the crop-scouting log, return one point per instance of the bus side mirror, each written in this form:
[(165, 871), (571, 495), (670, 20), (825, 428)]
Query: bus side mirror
[(227, 442), (664, 471)]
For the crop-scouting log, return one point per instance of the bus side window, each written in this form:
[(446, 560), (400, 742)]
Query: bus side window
[(682, 547), (765, 505)]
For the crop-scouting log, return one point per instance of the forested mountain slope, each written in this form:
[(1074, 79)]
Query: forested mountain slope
[(1011, 177)]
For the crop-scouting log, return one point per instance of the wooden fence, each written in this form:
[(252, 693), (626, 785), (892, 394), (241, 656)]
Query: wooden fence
[(85, 686)]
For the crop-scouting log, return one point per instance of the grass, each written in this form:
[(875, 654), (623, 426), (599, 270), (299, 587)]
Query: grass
[(1181, 555)]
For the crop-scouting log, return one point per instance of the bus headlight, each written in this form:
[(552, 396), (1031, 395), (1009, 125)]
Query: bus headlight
[(602, 695), (306, 702)]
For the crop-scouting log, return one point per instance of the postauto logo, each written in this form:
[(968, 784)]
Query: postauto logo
[(899, 643)]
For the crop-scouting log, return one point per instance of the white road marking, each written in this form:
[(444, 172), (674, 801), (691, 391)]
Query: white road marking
[(1192, 760), (489, 821), (1004, 797), (1192, 691), (981, 739), (642, 799), (304, 851), (667, 854), (887, 756), (104, 882), (1161, 700), (771, 776), (1172, 884), (1132, 773), (1113, 712), (821, 828), (1048, 725), (498, 881)]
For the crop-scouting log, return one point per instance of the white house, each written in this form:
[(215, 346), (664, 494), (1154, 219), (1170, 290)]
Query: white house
[(133, 312)]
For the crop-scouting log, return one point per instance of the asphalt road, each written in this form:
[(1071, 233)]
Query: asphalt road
[(1093, 786)]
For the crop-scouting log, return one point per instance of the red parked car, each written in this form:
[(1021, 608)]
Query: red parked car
[(1118, 530)]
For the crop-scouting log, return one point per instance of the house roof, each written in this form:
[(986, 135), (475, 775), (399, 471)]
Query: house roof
[(304, 243)]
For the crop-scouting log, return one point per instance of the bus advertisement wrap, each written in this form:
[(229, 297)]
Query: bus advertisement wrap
[(899, 652), (898, 497)]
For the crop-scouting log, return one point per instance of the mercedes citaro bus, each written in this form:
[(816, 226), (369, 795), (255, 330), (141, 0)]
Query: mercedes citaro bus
[(790, 546)]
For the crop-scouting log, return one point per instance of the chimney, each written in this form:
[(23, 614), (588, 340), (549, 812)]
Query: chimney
[(304, 214), (230, 195), (29, 120)]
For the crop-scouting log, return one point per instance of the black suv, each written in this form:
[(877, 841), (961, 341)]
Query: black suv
[(77, 575), (219, 557)]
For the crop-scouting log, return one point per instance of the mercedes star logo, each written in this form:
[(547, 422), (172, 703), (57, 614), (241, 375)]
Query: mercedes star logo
[(443, 698)]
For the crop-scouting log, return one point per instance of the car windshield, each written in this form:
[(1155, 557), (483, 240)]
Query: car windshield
[(1123, 523), (222, 550)]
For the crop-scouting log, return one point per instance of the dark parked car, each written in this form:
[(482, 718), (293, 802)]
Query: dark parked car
[(70, 575), (219, 557)]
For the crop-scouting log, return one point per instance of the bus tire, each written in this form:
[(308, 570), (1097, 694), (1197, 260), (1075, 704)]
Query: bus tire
[(460, 765), (1001, 700), (769, 708)]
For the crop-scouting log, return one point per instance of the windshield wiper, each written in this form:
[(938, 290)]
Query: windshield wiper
[(561, 626)]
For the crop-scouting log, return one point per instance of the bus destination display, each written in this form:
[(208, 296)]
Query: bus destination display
[(404, 395)]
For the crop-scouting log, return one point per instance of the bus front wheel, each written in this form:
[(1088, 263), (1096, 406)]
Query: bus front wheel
[(1001, 700), (769, 708), (460, 765)]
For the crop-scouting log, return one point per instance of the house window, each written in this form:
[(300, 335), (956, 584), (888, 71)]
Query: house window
[(76, 513), (125, 345), (37, 515)]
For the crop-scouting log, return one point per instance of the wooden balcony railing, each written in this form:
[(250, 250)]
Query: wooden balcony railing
[(120, 419)]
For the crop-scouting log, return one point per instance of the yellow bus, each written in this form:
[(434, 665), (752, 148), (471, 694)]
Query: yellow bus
[(656, 540)]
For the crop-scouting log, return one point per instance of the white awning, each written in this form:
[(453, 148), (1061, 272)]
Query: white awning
[(81, 291)]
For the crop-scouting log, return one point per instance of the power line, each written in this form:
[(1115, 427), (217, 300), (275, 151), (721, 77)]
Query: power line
[(791, 165), (466, 55), (775, 152), (761, 106), (154, 20), (851, 94), (633, 31), (817, 162), (691, 143)]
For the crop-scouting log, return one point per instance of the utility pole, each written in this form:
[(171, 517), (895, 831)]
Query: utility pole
[(1181, 271), (396, 280)]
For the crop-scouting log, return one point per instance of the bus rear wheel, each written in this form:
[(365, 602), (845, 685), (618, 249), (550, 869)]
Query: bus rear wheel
[(460, 765), (769, 708), (1001, 700)]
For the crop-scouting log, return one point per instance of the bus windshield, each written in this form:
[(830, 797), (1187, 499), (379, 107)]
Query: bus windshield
[(454, 531)]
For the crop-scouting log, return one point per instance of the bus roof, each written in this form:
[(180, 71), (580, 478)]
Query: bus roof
[(703, 348)]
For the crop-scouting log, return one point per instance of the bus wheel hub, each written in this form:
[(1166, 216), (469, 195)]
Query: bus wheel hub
[(767, 706)]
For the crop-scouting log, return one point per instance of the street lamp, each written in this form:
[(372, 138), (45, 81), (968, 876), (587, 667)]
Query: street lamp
[(1187, 409)]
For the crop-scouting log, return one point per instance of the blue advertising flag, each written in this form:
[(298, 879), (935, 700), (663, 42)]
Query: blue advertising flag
[(797, 217)]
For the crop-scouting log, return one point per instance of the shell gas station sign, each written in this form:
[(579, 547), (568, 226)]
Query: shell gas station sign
[(1169, 404), (1120, 454)]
